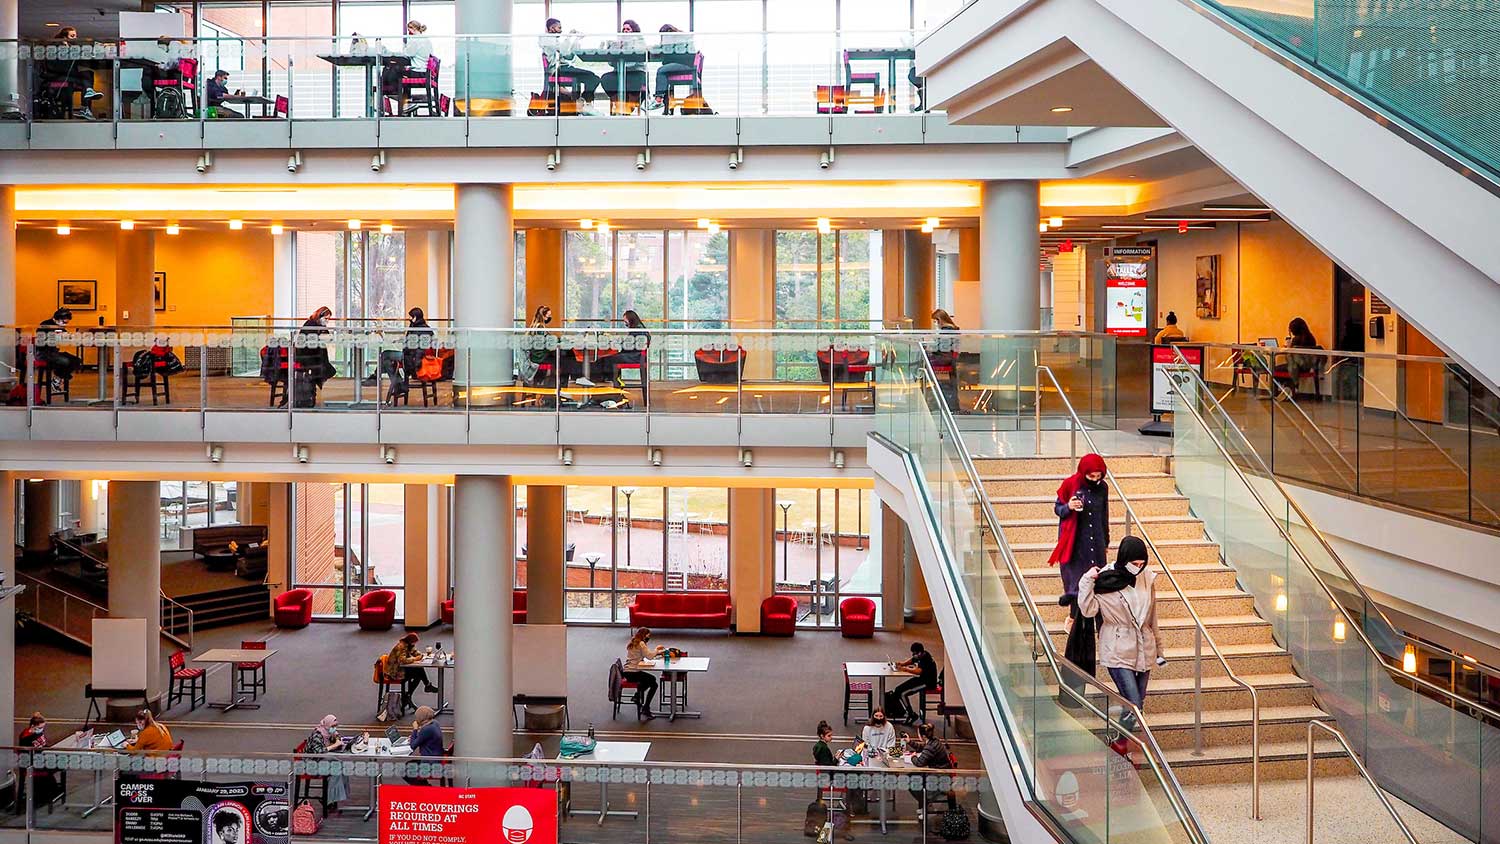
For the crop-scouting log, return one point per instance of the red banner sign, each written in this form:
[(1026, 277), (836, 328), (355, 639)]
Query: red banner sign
[(428, 815)]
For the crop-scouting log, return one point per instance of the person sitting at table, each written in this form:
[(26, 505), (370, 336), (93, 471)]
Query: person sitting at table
[(418, 339), (667, 69), (59, 363), (561, 55), (400, 668), (426, 739), (630, 41), (823, 748), (636, 656), (415, 48), (924, 667), (150, 734), (35, 734), (218, 90), (313, 354), (642, 338), (931, 752), (878, 734), (325, 738), (44, 783)]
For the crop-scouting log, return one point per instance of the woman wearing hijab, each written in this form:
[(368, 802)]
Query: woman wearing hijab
[(418, 340), (325, 738), (426, 740), (1082, 509), (1123, 597)]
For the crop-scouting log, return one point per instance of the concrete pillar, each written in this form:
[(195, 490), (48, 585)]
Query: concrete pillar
[(41, 517), (423, 556), (887, 529), (135, 265), (135, 567), (7, 232), (279, 531), (483, 255), (918, 602), (484, 80), (916, 278), (546, 559), (483, 572), (93, 498), (752, 291), (8, 607), (1010, 247), (544, 270), (752, 530)]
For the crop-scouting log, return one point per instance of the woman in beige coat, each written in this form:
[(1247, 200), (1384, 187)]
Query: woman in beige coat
[(1123, 596)]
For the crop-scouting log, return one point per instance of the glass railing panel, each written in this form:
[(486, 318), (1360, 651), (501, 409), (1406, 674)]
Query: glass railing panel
[(1429, 64)]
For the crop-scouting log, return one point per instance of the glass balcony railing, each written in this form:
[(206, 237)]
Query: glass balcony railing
[(654, 801), (1431, 64), (1421, 741), (465, 77), (1418, 432), (1057, 721)]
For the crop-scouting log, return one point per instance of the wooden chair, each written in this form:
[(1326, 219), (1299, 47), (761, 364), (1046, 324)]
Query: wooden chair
[(191, 683)]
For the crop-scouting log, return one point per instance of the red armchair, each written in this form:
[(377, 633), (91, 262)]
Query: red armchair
[(778, 616), (293, 608), (857, 618), (448, 611), (517, 608), (377, 610)]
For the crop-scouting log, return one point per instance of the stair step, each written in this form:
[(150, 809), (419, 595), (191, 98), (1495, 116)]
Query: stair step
[(1134, 483), (1168, 605), (1200, 550), (1278, 761), (1178, 632), (1037, 507), (1275, 728), (1176, 694), (1159, 528), (1061, 467), (1189, 577)]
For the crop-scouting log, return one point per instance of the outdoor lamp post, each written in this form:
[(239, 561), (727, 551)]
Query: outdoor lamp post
[(592, 560), (786, 506), (628, 491)]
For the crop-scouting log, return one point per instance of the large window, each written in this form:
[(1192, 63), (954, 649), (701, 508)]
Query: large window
[(348, 539), (622, 541), (828, 280), (193, 504), (821, 554), (677, 278), (360, 275), (293, 67)]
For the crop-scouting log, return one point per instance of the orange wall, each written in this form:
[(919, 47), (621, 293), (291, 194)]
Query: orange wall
[(211, 276)]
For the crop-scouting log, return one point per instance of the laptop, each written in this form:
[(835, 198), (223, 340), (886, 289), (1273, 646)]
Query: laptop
[(115, 739), (1268, 342), (393, 735)]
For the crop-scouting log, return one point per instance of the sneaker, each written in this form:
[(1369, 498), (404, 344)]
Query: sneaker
[(609, 404), (431, 689), (90, 95), (583, 382), (657, 104)]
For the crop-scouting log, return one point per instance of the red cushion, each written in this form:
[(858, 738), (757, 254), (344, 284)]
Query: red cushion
[(377, 610), (447, 611), (187, 673)]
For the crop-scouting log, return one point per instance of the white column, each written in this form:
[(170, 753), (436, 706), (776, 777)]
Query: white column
[(8, 606), (484, 81), (483, 258), (1010, 248), (7, 233), (135, 566), (483, 574), (10, 77)]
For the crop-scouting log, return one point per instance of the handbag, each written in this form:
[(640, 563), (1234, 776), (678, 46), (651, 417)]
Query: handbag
[(431, 368)]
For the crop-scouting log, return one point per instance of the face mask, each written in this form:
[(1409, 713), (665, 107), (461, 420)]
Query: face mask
[(1135, 568)]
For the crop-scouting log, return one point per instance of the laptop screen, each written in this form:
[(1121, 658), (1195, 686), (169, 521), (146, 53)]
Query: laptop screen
[(1269, 342)]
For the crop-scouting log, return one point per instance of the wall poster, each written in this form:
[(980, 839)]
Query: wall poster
[(1127, 274), (1208, 286), (170, 811)]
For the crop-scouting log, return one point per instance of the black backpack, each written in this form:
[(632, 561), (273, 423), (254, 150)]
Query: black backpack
[(954, 825)]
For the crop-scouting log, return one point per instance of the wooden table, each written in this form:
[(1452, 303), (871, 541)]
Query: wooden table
[(231, 656), (624, 752), (674, 675)]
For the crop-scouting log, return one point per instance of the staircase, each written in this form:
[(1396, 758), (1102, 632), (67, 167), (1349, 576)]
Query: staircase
[(223, 607), (1022, 492)]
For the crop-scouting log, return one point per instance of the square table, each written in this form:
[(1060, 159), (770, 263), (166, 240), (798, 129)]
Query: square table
[(441, 666), (250, 100), (886, 796), (880, 671), (674, 676), (622, 752), (77, 742), (376, 748), (369, 61), (231, 656)]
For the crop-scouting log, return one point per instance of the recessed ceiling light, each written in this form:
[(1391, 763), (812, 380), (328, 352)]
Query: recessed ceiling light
[(712, 228), (825, 225), (64, 229), (1042, 227), (585, 223), (386, 228), (1061, 109), (173, 228), (51, 23), (277, 228), (236, 225), (1055, 222), (127, 225), (354, 225)]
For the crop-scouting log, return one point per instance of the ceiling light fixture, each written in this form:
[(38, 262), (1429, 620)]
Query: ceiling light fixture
[(712, 229), (927, 229), (127, 225), (825, 226), (354, 225), (64, 229), (1061, 109), (1055, 222), (173, 229), (1041, 227), (1207, 219), (1239, 209), (277, 228), (586, 223), (602, 227), (236, 225), (386, 228), (933, 222), (703, 222)]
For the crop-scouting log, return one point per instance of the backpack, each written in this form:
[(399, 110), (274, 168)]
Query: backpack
[(306, 819), (17, 395), (954, 825), (304, 392)]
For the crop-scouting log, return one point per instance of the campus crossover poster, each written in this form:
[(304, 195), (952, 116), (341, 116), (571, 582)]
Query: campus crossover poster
[(171, 811)]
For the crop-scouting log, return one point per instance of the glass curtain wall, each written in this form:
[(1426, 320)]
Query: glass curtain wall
[(293, 67), (670, 278), (821, 553), (348, 539), (361, 275), (622, 541), (192, 504), (825, 281)]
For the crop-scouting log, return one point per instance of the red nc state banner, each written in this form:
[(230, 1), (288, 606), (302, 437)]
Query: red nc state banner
[(429, 815)]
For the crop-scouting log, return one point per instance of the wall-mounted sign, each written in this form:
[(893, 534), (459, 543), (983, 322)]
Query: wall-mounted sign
[(1378, 305), (1165, 379), (1127, 273), (421, 815)]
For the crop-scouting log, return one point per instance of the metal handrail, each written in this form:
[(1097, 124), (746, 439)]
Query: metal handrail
[(1384, 800), (1292, 543), (1201, 633), (176, 606), (39, 588), (1149, 745)]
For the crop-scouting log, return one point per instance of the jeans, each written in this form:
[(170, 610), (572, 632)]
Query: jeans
[(645, 691), (1132, 686)]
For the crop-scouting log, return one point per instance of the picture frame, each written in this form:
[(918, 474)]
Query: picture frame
[(78, 294), (159, 290), (1206, 295)]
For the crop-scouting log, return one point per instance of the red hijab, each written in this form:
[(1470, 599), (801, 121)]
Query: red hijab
[(1068, 527)]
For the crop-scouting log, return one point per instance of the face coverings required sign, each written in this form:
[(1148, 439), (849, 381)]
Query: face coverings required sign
[(421, 814)]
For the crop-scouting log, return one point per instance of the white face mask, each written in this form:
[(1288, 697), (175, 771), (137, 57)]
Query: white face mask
[(1135, 568)]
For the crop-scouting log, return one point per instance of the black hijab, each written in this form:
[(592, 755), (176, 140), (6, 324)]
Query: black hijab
[(1117, 577)]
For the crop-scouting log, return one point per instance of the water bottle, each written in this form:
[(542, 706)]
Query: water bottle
[(591, 731)]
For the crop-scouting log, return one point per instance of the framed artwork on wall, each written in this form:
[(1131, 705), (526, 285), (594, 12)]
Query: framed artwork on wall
[(77, 294), (1207, 267), (159, 290)]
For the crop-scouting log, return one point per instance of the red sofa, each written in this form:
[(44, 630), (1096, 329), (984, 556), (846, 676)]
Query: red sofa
[(778, 616), (293, 608), (377, 610), (674, 610), (857, 618), (517, 608)]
